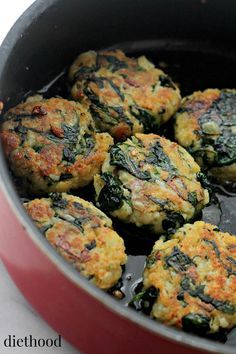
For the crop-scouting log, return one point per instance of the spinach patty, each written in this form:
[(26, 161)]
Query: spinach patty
[(82, 234), (150, 181), (206, 126), (193, 277), (125, 95), (51, 144)]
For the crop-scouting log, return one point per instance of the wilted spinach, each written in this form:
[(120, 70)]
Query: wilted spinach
[(58, 201), (196, 323), (172, 222), (192, 198), (158, 157), (178, 260), (145, 118), (114, 63), (120, 158), (223, 113), (111, 196), (145, 299), (166, 81)]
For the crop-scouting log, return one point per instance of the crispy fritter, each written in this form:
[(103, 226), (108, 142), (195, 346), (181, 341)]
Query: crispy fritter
[(206, 126), (150, 181), (51, 144), (125, 95), (82, 234), (190, 280)]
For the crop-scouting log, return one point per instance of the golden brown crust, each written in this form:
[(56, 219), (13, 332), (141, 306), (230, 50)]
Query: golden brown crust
[(187, 124), (82, 234), (125, 95), (52, 145), (205, 125), (149, 180), (195, 274)]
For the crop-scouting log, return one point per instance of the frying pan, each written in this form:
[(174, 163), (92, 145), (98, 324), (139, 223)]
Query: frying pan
[(197, 41)]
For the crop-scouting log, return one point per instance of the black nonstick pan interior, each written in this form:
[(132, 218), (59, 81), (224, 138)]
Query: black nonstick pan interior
[(193, 66)]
